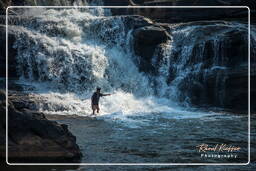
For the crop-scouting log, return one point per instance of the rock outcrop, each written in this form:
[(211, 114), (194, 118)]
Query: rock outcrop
[(221, 79), (12, 52), (147, 40), (33, 138)]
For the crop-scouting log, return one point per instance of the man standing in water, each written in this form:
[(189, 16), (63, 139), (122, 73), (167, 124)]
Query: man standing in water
[(95, 100)]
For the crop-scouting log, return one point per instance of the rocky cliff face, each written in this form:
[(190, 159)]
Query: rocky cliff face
[(208, 64), (33, 138)]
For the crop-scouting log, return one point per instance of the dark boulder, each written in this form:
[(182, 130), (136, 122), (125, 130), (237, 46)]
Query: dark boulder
[(12, 52), (147, 40), (2, 51), (135, 21), (33, 138), (2, 122)]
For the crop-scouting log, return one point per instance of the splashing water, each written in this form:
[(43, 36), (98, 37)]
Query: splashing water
[(71, 52), (66, 53)]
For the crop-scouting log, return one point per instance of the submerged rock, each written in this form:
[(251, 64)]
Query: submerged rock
[(33, 138)]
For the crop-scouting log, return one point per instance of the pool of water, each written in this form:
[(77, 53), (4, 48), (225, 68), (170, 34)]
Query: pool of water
[(156, 138)]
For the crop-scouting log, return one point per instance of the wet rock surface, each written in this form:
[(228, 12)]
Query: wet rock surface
[(12, 52), (34, 138), (146, 40)]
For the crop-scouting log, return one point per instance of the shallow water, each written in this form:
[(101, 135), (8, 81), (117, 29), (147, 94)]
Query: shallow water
[(158, 139), (129, 129)]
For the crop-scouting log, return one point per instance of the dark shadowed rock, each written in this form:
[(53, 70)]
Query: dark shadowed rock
[(176, 15), (135, 21), (2, 51), (147, 40), (222, 80), (33, 138), (151, 35), (12, 52)]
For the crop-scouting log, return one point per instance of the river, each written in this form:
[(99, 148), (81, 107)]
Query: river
[(64, 54)]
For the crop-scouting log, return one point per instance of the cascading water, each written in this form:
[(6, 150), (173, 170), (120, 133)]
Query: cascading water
[(76, 50), (78, 53), (203, 51)]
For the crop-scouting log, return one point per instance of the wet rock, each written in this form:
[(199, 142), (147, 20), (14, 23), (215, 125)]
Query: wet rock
[(222, 78), (12, 52), (2, 95), (147, 40), (233, 91), (2, 51), (34, 138), (135, 21)]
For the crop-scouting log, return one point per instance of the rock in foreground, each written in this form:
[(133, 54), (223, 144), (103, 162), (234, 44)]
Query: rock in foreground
[(33, 138)]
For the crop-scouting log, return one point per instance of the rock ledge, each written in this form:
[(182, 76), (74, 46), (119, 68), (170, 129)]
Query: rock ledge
[(33, 138)]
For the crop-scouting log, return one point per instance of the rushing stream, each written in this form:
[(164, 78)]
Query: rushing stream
[(64, 54)]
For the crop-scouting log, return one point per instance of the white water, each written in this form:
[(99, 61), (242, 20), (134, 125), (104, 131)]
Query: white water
[(85, 51), (120, 107), (88, 47), (66, 54)]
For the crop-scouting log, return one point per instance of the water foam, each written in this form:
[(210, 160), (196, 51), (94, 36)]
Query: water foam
[(66, 53), (120, 107)]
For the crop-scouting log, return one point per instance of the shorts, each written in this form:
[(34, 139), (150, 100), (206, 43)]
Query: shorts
[(95, 107)]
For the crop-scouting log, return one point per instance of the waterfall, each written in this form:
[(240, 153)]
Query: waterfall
[(76, 50), (203, 51)]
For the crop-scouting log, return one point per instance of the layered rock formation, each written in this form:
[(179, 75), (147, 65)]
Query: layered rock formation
[(33, 138)]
